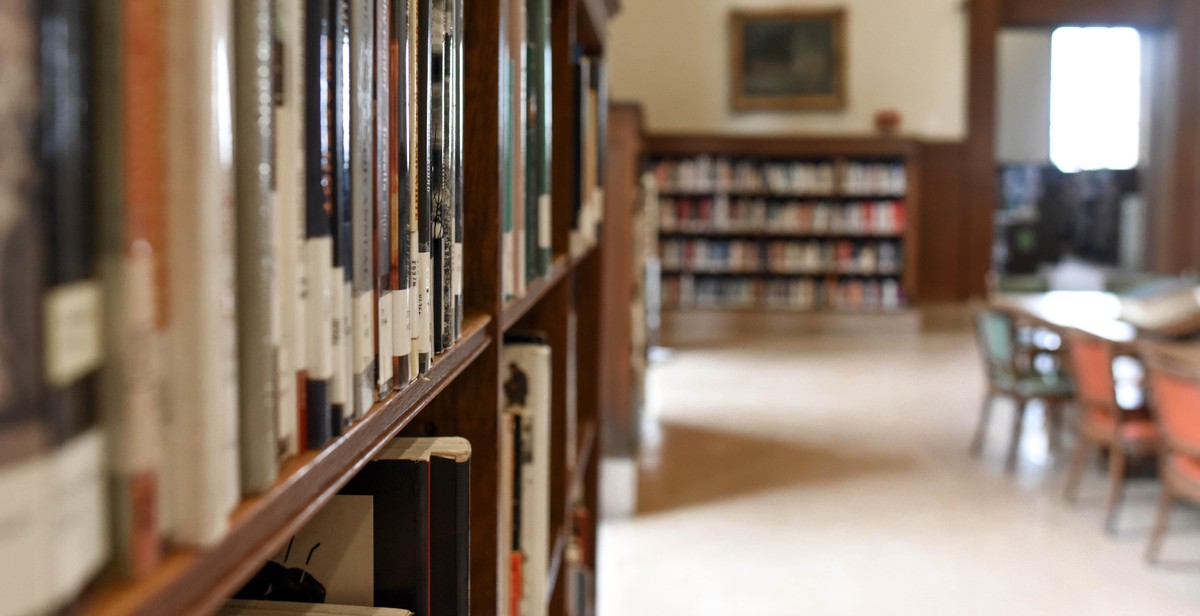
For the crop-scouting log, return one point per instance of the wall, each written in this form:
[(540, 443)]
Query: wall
[(910, 55), (1023, 96)]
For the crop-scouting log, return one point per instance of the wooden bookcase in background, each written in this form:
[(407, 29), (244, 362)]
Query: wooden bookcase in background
[(836, 150), (461, 395)]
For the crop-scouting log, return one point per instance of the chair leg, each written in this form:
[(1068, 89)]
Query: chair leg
[(1054, 422), (1116, 485), (1154, 546), (985, 415), (1078, 462), (1014, 445)]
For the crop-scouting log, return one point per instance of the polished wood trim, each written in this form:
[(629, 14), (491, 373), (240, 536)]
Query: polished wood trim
[(197, 581), (975, 249), (1051, 13), (941, 222), (1184, 252)]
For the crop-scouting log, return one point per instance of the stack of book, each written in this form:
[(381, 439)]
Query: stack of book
[(785, 294), (229, 230), (722, 215), (874, 178)]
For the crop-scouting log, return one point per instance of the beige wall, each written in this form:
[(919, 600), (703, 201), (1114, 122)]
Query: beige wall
[(1023, 93), (909, 55)]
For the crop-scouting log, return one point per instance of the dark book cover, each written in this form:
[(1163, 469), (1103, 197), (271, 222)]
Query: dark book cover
[(341, 395), (438, 172), (401, 85), (320, 188), (425, 197), (581, 188), (459, 102), (450, 536)]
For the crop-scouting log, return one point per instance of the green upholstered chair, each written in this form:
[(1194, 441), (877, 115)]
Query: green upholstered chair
[(1011, 373)]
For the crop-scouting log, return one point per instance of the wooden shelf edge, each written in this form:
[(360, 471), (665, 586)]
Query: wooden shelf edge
[(583, 256), (797, 145), (784, 235), (574, 484), (197, 581), (534, 293), (907, 310)]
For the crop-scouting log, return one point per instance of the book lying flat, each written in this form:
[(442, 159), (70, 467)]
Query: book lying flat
[(242, 607)]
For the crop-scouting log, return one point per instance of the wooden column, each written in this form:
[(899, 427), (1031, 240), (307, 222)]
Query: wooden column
[(976, 239)]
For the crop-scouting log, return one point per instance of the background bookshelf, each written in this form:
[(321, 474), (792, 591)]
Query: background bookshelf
[(786, 224), (461, 393)]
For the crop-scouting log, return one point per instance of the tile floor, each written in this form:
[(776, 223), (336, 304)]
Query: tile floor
[(829, 475)]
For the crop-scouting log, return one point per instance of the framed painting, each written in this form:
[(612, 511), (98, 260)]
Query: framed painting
[(788, 59)]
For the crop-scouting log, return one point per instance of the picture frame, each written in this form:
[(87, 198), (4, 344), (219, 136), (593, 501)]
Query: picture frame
[(788, 59)]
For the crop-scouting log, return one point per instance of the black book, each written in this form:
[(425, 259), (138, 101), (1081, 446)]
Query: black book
[(319, 126), (401, 253), (457, 142), (438, 173), (425, 197), (341, 394), (581, 187)]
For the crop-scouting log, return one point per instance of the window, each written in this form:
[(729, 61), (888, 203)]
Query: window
[(1095, 98)]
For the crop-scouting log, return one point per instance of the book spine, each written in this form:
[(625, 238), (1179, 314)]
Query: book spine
[(519, 49), (439, 190), (293, 178), (449, 535), (580, 186), (413, 95), (25, 540), (540, 32), (459, 191), (319, 217), (398, 154), (127, 193), (507, 258), (425, 199), (201, 430), (383, 194), (256, 302), (71, 300), (362, 127), (534, 453), (285, 210), (340, 396)]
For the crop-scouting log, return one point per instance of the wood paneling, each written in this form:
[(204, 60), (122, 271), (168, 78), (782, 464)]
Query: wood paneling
[(778, 145), (1183, 239), (980, 190), (1050, 13), (942, 194)]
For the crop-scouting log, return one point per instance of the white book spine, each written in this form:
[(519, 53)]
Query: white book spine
[(78, 513), (385, 338), (339, 382), (364, 324), (414, 301), (289, 201), (296, 179), (321, 279), (201, 422), (534, 361), (425, 335), (26, 577), (402, 326)]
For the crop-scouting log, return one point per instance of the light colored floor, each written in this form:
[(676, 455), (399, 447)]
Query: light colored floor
[(829, 475)]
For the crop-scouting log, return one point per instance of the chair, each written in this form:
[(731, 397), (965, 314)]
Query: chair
[(1104, 423), (1011, 373), (1176, 390)]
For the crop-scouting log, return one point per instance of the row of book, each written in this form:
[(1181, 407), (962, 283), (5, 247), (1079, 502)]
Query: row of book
[(526, 83), (805, 294), (227, 231), (725, 215), (812, 257), (706, 174)]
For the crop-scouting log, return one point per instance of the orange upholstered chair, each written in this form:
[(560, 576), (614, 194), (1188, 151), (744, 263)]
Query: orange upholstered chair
[(1176, 390), (1103, 422)]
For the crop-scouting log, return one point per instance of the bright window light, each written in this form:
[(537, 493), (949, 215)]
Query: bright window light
[(1095, 98)]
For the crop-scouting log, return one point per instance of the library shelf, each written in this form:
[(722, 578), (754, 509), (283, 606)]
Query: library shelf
[(768, 273), (198, 580), (519, 307), (784, 234), (668, 193)]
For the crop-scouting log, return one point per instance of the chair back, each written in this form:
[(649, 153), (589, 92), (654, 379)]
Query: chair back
[(1091, 363), (996, 334), (1176, 403)]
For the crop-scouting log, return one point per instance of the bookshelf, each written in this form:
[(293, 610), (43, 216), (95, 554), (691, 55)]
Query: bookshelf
[(787, 224), (460, 394)]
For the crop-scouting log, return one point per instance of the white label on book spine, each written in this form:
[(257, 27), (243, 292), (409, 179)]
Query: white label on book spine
[(402, 326), (320, 308), (458, 269), (425, 335), (72, 331), (25, 560), (140, 370), (508, 263), (364, 328), (79, 522), (543, 221), (385, 338), (339, 384)]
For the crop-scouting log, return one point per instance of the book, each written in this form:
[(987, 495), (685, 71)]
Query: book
[(383, 195), (439, 190), (319, 197), (341, 395), (415, 177), (526, 364), (242, 607), (401, 85), (425, 159), (397, 535), (259, 452), (201, 425), (25, 541), (129, 187), (458, 102), (362, 196), (291, 206), (538, 166)]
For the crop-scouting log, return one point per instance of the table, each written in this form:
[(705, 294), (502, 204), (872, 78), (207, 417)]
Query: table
[(1094, 312)]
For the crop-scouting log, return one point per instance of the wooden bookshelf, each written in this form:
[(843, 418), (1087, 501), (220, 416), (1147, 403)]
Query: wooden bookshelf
[(834, 187), (461, 395)]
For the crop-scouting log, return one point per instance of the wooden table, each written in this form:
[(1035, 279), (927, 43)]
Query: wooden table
[(1093, 312)]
